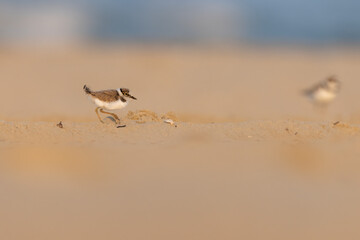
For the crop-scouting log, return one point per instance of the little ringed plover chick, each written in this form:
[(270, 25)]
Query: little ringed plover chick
[(324, 92), (112, 99)]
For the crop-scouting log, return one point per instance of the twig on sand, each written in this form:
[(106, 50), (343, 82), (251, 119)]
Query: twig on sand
[(336, 123)]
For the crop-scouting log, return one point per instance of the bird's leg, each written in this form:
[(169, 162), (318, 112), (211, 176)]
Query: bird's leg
[(97, 113), (112, 114)]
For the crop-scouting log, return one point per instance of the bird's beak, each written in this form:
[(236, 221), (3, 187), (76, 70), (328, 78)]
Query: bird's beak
[(132, 97)]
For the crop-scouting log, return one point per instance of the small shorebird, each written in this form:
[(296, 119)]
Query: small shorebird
[(111, 99), (324, 92)]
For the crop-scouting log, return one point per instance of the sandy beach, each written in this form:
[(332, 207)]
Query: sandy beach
[(250, 158)]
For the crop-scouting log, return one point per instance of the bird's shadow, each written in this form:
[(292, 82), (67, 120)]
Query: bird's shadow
[(110, 119)]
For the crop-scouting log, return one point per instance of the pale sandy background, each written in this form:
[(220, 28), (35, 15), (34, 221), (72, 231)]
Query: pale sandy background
[(228, 83), (250, 158)]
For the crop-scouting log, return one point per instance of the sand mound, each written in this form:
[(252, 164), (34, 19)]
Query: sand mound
[(143, 116)]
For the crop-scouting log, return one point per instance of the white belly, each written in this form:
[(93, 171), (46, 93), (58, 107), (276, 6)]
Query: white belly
[(110, 105), (323, 96)]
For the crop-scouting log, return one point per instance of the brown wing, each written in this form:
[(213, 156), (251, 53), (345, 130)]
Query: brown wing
[(107, 95), (316, 87)]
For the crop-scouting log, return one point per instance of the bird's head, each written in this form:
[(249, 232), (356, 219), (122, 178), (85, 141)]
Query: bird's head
[(126, 93), (333, 83)]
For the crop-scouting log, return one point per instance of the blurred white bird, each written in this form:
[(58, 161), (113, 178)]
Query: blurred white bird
[(323, 93)]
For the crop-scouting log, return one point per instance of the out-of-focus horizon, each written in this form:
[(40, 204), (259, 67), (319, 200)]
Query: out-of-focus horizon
[(188, 21)]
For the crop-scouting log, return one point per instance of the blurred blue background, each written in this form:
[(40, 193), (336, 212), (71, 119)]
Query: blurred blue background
[(185, 21)]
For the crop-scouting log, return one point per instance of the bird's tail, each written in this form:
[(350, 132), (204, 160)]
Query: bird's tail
[(306, 92), (87, 90)]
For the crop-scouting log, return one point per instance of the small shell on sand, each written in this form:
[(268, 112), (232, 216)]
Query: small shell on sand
[(170, 121)]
